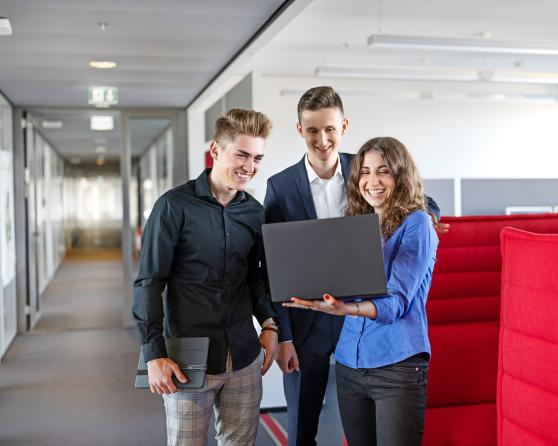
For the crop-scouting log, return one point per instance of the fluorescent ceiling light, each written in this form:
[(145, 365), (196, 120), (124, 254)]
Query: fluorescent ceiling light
[(102, 64), (525, 77), (398, 74), (100, 122), (101, 149), (458, 44), (5, 27), (51, 124), (444, 75)]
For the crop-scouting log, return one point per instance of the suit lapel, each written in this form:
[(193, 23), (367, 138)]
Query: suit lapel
[(346, 161), (304, 190)]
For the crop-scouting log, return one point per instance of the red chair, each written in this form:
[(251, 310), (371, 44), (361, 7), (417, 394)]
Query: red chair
[(464, 312), (527, 390)]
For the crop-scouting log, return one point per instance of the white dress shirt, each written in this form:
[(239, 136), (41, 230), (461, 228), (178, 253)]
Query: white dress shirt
[(330, 196)]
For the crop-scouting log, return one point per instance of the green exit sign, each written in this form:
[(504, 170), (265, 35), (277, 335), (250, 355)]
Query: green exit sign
[(103, 96)]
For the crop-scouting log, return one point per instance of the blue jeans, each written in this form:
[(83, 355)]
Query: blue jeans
[(384, 406)]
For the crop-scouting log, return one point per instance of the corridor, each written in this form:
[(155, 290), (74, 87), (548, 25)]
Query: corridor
[(70, 381)]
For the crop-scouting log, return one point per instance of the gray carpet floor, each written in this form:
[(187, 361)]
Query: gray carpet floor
[(70, 382)]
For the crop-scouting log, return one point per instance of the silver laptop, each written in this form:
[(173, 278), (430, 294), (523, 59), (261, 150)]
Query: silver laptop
[(340, 256)]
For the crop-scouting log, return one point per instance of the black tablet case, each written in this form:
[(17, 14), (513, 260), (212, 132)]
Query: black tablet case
[(191, 356)]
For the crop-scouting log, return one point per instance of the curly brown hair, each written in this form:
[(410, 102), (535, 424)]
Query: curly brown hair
[(408, 195)]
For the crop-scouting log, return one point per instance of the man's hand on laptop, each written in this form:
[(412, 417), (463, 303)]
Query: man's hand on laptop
[(160, 372), (287, 359), (441, 228)]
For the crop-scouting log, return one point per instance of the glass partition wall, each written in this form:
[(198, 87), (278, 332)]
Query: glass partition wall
[(8, 315), (46, 243)]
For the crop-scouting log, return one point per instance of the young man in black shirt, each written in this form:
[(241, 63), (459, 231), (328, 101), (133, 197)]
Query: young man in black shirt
[(203, 243)]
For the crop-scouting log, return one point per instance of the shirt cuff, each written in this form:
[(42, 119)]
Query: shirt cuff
[(383, 309), (263, 313), (154, 350), (269, 321)]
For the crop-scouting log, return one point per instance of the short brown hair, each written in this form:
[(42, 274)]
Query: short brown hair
[(318, 98), (244, 122)]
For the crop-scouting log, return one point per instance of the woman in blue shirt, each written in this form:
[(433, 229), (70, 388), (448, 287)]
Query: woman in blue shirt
[(383, 352)]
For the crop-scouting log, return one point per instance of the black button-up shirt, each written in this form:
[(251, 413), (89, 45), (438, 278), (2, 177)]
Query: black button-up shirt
[(209, 258)]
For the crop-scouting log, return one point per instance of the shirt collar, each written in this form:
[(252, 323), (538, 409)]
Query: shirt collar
[(312, 175), (202, 188)]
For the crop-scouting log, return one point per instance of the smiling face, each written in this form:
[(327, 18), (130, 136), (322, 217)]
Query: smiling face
[(236, 164), (376, 181), (322, 131)]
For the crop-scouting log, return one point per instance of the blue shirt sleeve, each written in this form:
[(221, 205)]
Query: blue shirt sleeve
[(407, 270)]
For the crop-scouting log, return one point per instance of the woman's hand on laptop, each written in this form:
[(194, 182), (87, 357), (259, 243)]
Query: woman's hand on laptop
[(335, 306), (329, 305)]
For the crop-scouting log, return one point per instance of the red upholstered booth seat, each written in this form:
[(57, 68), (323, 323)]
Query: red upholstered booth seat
[(528, 362), (464, 313)]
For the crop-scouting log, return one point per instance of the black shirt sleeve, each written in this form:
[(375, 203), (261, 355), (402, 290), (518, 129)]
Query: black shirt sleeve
[(255, 279), (159, 240)]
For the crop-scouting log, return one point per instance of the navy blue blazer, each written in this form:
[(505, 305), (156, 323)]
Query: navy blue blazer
[(288, 198)]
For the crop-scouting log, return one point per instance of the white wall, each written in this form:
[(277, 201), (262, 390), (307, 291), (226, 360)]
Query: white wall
[(448, 138)]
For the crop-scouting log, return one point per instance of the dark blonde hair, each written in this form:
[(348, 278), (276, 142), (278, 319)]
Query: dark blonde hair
[(408, 194), (318, 98), (244, 122)]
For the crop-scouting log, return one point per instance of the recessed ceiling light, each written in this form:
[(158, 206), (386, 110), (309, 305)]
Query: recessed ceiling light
[(102, 64), (5, 27), (102, 123), (51, 124)]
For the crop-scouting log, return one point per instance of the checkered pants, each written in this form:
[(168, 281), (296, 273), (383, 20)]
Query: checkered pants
[(235, 398)]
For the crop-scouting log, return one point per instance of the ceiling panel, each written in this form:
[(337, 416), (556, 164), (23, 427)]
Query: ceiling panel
[(329, 33), (167, 50)]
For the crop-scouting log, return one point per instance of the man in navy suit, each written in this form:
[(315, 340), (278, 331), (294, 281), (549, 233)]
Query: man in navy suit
[(312, 188)]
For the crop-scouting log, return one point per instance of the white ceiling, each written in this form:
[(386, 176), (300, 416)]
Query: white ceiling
[(331, 33), (166, 50)]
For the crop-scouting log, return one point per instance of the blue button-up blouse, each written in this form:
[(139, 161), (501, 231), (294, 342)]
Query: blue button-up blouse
[(401, 328)]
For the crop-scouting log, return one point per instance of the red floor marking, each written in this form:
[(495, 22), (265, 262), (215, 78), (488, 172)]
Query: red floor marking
[(274, 429), (345, 441)]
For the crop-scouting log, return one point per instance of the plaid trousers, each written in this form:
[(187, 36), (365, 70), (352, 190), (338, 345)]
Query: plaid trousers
[(234, 396)]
